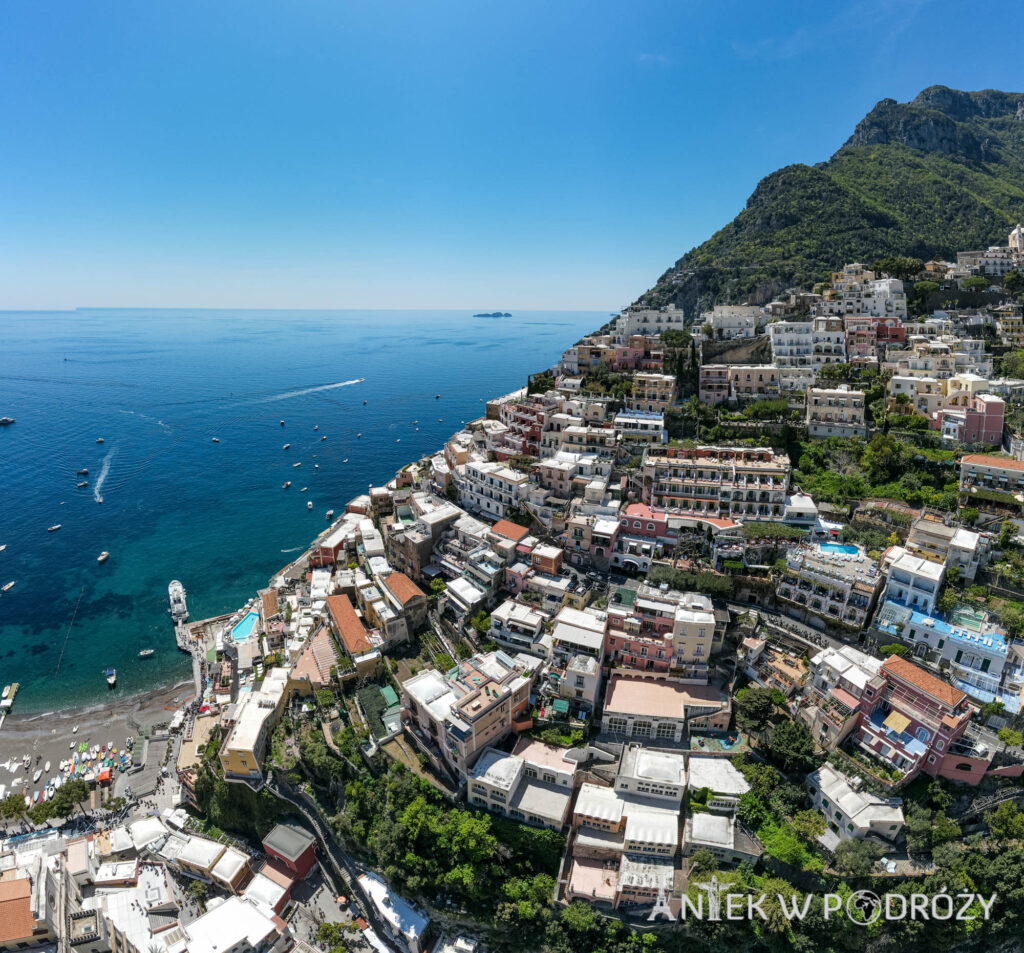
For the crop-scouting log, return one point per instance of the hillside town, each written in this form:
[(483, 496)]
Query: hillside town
[(738, 590)]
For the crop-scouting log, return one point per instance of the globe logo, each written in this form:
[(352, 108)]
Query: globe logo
[(864, 907)]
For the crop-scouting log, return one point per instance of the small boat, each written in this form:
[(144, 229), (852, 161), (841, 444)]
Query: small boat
[(46, 767), (71, 746), (83, 483), (415, 422), (6, 692), (3, 547), (330, 514), (111, 677), (358, 435), (316, 426), (399, 440), (99, 440), (6, 421), (440, 420), (282, 423), (216, 440), (146, 653), (103, 557), (74, 730), (309, 505), (286, 446), (8, 586), (364, 403), (303, 490), (437, 396), (345, 460), (54, 528), (299, 464), (37, 776), (286, 484), (324, 437), (28, 800), (84, 471)]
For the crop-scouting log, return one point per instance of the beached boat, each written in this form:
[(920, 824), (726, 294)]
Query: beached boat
[(111, 677), (46, 767), (54, 528), (37, 776), (28, 800), (103, 557), (286, 484), (74, 730), (179, 608), (309, 505), (146, 653)]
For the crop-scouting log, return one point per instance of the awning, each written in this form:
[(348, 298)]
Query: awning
[(560, 705), (896, 722)]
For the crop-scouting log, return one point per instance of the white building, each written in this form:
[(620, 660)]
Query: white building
[(913, 581), (850, 812), (732, 321), (492, 489), (835, 412)]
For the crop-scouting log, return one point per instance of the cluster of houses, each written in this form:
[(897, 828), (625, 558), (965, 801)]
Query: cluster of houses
[(530, 536)]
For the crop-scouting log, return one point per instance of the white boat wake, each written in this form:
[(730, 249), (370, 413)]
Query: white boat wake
[(314, 390), (295, 550), (98, 485)]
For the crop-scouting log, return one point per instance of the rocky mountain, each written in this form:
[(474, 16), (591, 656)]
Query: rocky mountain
[(942, 173)]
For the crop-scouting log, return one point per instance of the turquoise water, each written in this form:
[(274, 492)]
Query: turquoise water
[(244, 629), (838, 548), (158, 386)]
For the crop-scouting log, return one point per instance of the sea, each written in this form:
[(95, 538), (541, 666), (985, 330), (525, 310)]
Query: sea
[(167, 502)]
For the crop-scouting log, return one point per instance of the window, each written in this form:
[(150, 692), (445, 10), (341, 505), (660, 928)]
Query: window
[(642, 729), (665, 730)]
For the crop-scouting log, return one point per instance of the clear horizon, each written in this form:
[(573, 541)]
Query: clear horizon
[(330, 156)]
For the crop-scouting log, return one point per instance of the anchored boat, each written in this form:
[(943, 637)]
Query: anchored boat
[(179, 608)]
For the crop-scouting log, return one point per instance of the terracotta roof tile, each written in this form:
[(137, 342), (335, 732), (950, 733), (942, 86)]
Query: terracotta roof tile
[(351, 631), (923, 680), (509, 530), (985, 460), (402, 587), (16, 921)]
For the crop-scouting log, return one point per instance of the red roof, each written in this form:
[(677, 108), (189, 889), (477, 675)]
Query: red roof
[(402, 587), (923, 680), (643, 512), (985, 460), (509, 530), (350, 629), (16, 921), (845, 697)]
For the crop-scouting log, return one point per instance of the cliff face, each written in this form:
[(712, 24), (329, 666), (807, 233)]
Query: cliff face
[(941, 173)]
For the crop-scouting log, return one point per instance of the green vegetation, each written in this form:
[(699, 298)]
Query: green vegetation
[(684, 581), (920, 179)]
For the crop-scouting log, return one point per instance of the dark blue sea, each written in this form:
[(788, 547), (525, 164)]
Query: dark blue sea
[(158, 386)]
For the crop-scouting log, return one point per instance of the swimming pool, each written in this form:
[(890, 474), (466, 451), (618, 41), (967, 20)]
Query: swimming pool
[(244, 629), (838, 548)]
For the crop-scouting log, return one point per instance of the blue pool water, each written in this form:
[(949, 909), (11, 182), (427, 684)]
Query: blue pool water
[(245, 628), (838, 548)]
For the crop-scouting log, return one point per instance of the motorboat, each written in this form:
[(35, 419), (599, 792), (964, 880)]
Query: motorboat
[(309, 505), (316, 466), (330, 514), (83, 483), (364, 403), (54, 528), (324, 437), (84, 471), (6, 421), (303, 490), (299, 464), (358, 435), (345, 460), (286, 484), (103, 557), (316, 426), (216, 439), (437, 396), (74, 730), (146, 653), (286, 446), (111, 677), (6, 691), (282, 423), (99, 440), (179, 607)]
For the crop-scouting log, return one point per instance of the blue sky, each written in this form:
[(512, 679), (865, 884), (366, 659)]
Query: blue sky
[(383, 153)]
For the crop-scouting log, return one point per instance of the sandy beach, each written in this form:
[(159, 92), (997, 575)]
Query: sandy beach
[(46, 736)]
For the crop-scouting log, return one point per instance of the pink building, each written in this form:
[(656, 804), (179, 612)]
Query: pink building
[(639, 519), (916, 722), (980, 422)]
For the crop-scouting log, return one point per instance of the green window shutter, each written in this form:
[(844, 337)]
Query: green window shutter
[(985, 664), (959, 654)]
